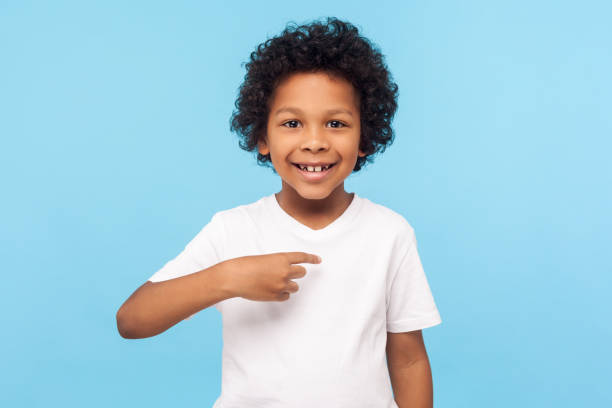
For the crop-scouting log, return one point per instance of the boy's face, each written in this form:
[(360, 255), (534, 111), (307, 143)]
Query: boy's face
[(314, 118)]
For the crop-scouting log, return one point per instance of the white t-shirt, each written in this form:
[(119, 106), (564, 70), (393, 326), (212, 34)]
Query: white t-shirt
[(325, 345)]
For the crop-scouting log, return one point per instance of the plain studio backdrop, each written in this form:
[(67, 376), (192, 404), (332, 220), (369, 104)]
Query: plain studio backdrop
[(116, 150)]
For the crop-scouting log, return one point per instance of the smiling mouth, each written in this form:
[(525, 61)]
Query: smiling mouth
[(314, 171), (315, 176)]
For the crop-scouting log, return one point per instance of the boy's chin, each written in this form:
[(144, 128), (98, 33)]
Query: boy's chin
[(312, 192), (316, 194)]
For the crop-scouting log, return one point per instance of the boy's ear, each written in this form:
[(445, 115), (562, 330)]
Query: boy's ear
[(361, 153), (262, 146)]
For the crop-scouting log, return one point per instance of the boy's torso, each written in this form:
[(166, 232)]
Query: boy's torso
[(327, 341)]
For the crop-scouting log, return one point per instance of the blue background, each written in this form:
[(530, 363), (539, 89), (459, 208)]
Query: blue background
[(116, 150)]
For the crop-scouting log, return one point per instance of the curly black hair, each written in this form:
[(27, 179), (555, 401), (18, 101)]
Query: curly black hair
[(335, 47)]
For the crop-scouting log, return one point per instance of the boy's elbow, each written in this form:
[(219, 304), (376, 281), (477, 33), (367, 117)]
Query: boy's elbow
[(123, 325), (130, 327)]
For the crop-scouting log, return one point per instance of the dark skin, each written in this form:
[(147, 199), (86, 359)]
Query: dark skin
[(302, 129), (315, 117), (409, 369)]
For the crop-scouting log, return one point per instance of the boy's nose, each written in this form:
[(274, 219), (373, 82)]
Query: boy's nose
[(315, 140)]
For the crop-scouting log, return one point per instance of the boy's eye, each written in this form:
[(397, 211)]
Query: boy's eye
[(337, 122), (291, 121)]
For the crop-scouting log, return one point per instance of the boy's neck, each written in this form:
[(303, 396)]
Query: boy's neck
[(314, 213)]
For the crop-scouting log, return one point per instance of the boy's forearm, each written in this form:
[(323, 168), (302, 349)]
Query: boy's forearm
[(412, 384), (156, 306)]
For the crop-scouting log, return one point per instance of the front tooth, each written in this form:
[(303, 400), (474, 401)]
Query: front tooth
[(310, 168), (318, 168)]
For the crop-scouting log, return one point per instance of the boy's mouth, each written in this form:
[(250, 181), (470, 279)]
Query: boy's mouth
[(314, 174), (314, 169)]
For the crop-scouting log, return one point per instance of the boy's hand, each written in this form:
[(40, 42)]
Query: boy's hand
[(267, 277)]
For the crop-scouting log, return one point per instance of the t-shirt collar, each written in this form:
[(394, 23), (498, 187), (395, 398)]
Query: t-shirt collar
[(298, 228)]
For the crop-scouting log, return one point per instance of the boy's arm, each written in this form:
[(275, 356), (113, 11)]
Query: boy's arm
[(156, 306), (409, 370)]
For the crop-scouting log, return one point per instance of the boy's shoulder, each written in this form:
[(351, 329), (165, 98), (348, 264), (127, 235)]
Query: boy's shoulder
[(239, 211), (385, 216), (390, 224)]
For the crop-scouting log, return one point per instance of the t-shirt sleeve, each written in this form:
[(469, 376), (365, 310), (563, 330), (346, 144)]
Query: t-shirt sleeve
[(202, 252), (410, 304)]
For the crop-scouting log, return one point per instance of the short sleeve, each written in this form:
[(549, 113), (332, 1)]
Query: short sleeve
[(410, 304), (202, 252)]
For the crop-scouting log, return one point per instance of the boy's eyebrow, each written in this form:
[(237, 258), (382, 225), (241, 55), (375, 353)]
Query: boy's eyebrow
[(298, 110)]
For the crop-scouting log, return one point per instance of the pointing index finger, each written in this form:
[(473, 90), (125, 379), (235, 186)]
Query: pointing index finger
[(304, 257)]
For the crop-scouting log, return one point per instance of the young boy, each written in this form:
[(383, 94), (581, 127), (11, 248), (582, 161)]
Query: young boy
[(317, 102)]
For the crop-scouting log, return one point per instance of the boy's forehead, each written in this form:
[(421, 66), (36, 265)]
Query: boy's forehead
[(310, 91)]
